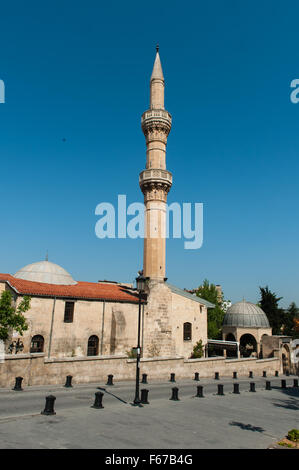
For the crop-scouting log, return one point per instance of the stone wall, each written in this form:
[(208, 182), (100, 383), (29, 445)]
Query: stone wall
[(187, 310), (158, 337), (36, 369), (114, 323)]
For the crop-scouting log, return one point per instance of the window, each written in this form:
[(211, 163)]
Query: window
[(93, 346), (187, 331), (69, 312), (37, 344)]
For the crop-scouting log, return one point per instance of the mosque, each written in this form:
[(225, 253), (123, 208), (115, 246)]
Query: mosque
[(71, 321)]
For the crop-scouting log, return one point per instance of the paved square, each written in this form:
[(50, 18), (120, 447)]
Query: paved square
[(249, 420)]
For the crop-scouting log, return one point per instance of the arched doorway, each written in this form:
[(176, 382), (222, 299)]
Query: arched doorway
[(230, 337), (231, 352), (285, 359), (261, 346), (248, 345)]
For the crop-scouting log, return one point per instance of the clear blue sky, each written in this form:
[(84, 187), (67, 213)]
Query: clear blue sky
[(80, 71)]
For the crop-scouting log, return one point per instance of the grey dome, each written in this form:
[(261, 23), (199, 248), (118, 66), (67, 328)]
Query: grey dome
[(46, 272), (245, 314)]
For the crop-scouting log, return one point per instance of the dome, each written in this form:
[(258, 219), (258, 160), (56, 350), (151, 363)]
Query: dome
[(47, 272), (245, 314)]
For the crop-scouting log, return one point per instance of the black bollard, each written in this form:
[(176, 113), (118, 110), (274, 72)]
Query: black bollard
[(235, 375), (199, 391), (276, 373), (220, 389), (68, 382), (49, 407), (295, 383), (172, 377), (250, 374), (252, 387), (216, 375), (98, 400), (18, 384), (236, 389), (110, 380), (175, 394), (264, 373), (144, 397), (196, 376), (144, 379), (283, 384), (268, 385)]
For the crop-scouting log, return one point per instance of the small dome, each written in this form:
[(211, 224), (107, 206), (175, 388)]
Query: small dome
[(46, 272), (246, 314)]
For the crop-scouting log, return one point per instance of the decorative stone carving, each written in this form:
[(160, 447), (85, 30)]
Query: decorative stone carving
[(155, 180)]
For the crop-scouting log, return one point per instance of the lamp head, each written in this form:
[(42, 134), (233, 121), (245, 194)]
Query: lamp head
[(141, 283)]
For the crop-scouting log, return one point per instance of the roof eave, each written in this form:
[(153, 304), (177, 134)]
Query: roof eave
[(187, 295)]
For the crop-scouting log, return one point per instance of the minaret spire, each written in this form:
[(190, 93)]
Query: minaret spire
[(157, 84), (155, 182)]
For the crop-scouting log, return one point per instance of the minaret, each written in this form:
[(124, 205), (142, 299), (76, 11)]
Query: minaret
[(155, 181)]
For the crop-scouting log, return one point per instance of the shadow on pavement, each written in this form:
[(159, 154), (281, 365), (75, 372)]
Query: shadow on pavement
[(247, 427), (290, 404), (112, 394)]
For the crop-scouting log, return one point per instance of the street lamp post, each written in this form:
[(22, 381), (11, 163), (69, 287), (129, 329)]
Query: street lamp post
[(140, 282)]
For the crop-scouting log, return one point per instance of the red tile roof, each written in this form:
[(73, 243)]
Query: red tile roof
[(82, 290)]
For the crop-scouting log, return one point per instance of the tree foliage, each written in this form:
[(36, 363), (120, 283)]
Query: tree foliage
[(197, 350), (210, 293), (269, 304), (281, 321), (11, 317), (290, 319)]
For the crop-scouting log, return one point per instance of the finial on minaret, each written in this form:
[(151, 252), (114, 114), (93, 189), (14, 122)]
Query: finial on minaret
[(157, 69), (46, 256)]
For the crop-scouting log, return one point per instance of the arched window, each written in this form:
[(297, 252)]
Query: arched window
[(69, 312), (187, 331), (93, 346), (37, 344)]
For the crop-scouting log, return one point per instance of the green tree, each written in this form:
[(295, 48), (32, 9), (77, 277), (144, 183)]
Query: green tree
[(288, 318), (209, 292), (197, 350), (12, 318), (269, 304)]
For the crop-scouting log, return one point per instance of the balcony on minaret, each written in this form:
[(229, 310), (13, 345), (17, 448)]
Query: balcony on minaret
[(156, 117), (155, 178)]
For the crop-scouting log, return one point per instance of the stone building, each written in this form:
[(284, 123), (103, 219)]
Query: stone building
[(246, 323), (69, 318), (280, 346)]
